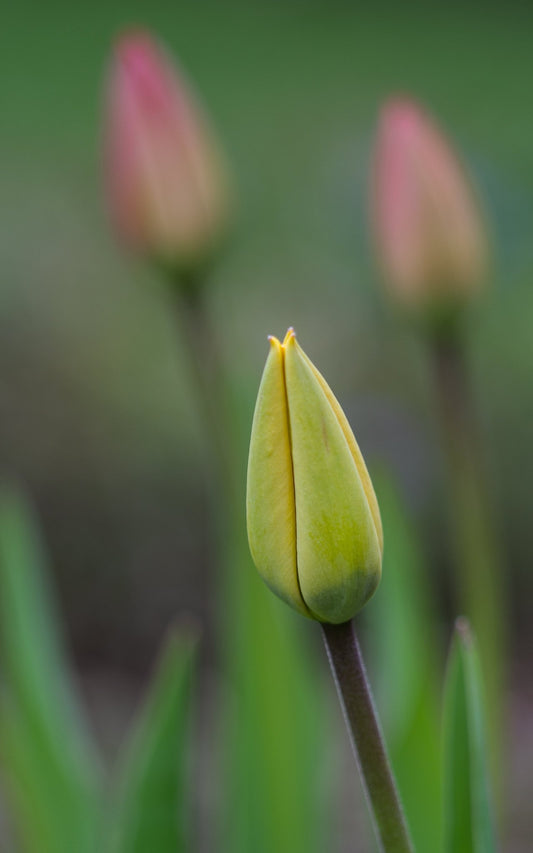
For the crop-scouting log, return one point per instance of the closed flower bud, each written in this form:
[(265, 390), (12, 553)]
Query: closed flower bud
[(428, 230), (166, 184), (313, 520)]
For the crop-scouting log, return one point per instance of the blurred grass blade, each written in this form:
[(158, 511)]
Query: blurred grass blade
[(276, 765), (400, 623), (150, 814), (49, 764), (468, 822)]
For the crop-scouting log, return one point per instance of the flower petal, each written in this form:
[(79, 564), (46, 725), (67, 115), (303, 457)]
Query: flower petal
[(271, 515), (338, 550)]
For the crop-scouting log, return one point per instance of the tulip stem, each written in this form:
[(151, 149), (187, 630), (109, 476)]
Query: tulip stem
[(480, 588), (206, 365), (361, 718)]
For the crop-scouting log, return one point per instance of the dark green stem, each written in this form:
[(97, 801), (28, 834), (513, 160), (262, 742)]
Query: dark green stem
[(480, 589), (361, 718), (207, 368)]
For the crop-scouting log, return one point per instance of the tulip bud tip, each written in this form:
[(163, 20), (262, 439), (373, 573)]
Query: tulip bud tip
[(291, 334)]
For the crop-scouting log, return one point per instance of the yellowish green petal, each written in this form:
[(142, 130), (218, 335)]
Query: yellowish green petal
[(271, 513), (354, 449), (338, 548)]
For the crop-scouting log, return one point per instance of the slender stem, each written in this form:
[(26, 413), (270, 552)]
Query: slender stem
[(480, 589), (210, 389), (361, 718), (207, 368)]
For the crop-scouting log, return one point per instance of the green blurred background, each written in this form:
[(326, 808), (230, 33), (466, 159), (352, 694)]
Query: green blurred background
[(95, 412)]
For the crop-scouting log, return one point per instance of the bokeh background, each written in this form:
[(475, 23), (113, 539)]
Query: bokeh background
[(96, 418)]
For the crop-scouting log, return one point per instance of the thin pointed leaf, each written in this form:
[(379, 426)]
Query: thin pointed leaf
[(48, 762), (468, 820), (150, 814), (275, 766)]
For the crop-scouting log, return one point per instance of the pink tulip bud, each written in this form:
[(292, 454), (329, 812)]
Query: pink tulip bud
[(166, 184), (428, 229)]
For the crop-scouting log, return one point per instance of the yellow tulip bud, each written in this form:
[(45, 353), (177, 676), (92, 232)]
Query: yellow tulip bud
[(313, 519)]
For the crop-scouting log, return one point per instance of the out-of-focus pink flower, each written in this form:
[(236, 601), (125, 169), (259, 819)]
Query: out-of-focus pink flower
[(428, 230), (166, 182)]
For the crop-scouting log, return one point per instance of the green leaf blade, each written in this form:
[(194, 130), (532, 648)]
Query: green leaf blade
[(277, 727), (405, 652), (468, 819), (149, 811), (50, 766)]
